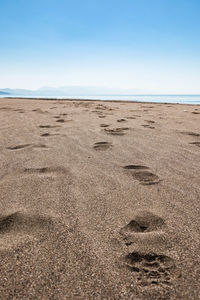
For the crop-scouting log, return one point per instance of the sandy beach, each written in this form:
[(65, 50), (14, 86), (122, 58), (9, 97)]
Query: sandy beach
[(99, 200)]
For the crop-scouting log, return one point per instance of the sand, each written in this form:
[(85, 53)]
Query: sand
[(99, 200)]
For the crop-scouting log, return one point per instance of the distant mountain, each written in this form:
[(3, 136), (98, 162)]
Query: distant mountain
[(3, 93), (16, 91), (68, 91)]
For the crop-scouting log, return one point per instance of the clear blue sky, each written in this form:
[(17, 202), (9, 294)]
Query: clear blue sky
[(152, 45)]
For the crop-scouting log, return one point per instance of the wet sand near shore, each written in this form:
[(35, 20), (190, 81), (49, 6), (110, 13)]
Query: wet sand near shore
[(99, 200)]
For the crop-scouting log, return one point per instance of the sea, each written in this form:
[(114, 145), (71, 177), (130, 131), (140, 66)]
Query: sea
[(182, 99)]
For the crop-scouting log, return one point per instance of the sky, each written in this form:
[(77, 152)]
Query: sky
[(150, 46)]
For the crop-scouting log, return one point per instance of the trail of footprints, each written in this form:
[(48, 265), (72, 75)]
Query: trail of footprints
[(148, 268)]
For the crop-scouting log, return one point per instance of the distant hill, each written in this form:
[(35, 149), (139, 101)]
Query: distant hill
[(16, 91), (3, 93), (68, 91)]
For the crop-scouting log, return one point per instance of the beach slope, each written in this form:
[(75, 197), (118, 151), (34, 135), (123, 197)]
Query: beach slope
[(99, 200)]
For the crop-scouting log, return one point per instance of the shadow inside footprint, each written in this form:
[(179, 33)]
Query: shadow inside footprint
[(150, 121), (151, 268), (135, 167), (104, 125), (14, 227), (195, 143), (60, 120), (102, 145), (144, 221), (19, 220), (49, 126), (18, 147), (5, 108), (191, 133), (45, 134)]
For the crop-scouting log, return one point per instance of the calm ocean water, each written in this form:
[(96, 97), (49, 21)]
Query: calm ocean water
[(183, 99)]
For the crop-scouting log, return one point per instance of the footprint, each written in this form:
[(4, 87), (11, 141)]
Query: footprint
[(149, 121), (144, 221), (5, 108), (101, 106), (144, 177), (151, 268), (121, 120), (44, 170), (147, 106), (135, 167), (196, 143), (191, 133), (97, 111), (45, 134), (18, 147), (18, 219), (195, 112), (48, 126), (16, 227), (117, 131), (104, 125), (60, 120), (19, 110), (102, 145), (145, 125), (38, 110), (48, 134), (148, 126)]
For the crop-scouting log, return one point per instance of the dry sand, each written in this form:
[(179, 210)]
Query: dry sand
[(99, 200)]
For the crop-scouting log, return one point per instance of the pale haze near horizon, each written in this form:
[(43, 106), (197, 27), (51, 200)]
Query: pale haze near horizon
[(147, 46)]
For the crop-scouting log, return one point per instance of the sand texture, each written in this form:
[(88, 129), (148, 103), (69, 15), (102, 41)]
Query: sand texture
[(99, 200)]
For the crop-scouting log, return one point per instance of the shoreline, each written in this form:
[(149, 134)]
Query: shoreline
[(96, 100)]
